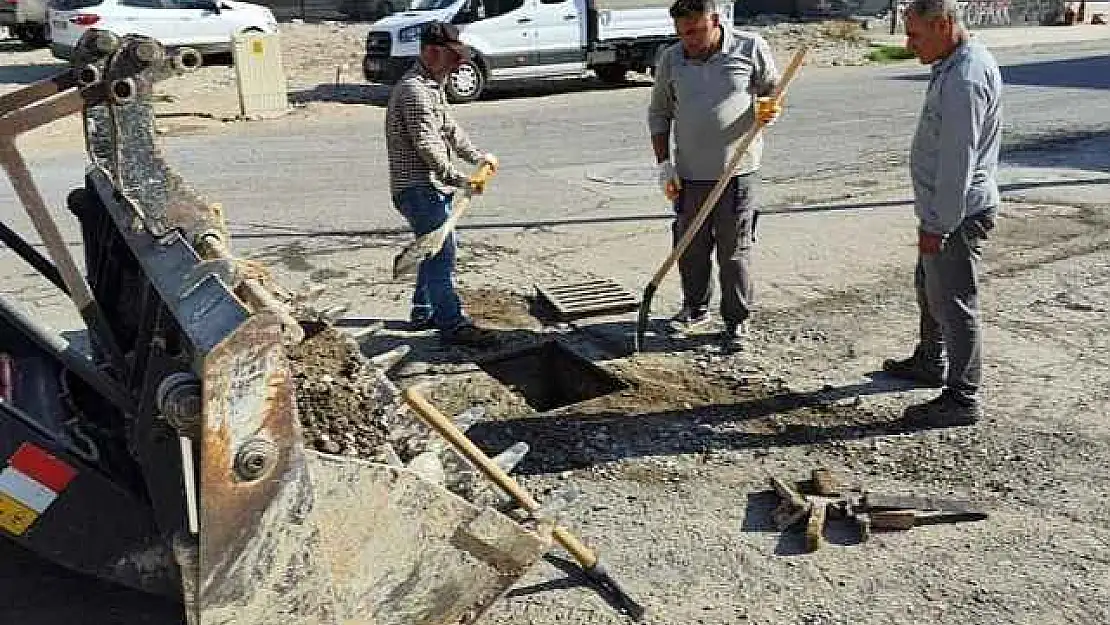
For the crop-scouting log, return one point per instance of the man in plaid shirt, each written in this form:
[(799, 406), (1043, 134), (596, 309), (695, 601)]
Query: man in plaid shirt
[(422, 139)]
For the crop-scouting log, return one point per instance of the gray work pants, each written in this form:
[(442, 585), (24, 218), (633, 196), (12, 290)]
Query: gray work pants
[(729, 229), (947, 286)]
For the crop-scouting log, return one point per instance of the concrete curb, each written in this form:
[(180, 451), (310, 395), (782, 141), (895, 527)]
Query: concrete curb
[(1019, 37)]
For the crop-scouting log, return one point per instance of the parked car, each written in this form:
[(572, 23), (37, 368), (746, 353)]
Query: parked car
[(525, 39), (26, 20), (204, 25)]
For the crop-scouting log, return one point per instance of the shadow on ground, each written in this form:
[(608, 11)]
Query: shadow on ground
[(1091, 72), (575, 440)]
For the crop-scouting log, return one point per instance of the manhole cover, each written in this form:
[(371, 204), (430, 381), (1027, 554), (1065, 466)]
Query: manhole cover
[(551, 375)]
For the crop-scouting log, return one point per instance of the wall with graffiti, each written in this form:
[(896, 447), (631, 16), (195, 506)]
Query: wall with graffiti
[(988, 13), (977, 13)]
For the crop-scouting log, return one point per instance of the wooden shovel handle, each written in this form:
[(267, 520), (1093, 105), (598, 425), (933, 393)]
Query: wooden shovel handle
[(441, 424), (719, 188)]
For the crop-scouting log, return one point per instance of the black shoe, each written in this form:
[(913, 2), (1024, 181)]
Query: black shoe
[(945, 410), (469, 335), (419, 325), (734, 336), (915, 369)]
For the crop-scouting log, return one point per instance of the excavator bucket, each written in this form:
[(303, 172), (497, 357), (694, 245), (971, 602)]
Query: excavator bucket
[(192, 350)]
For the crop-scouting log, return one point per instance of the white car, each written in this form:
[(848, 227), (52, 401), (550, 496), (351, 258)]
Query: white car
[(204, 25)]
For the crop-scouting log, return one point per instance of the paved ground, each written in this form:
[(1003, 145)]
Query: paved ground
[(834, 286)]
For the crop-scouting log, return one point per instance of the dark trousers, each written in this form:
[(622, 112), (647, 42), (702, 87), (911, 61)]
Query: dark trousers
[(728, 229), (947, 286)]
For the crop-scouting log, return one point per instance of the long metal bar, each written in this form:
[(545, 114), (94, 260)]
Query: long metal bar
[(79, 290), (32, 256), (37, 91)]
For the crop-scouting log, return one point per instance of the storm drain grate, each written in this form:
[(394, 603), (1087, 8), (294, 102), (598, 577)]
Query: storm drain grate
[(585, 299), (551, 375)]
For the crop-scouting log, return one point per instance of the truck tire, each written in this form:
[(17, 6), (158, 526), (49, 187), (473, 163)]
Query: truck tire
[(466, 83), (611, 73), (32, 34)]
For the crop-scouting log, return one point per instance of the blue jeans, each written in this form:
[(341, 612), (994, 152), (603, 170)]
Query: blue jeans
[(435, 299)]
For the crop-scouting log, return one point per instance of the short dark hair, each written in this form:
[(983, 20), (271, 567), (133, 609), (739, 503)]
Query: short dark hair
[(690, 8)]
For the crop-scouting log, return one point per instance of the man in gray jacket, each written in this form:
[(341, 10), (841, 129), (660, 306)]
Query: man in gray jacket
[(953, 163), (709, 88)]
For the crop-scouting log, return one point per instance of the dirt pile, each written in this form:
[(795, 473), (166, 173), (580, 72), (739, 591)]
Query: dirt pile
[(338, 398)]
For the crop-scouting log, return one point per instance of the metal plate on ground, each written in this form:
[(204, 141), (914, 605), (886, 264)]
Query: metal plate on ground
[(587, 299)]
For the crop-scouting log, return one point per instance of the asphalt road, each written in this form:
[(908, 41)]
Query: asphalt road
[(569, 152), (573, 149)]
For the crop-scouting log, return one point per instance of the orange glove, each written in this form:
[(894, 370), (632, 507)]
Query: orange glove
[(767, 109)]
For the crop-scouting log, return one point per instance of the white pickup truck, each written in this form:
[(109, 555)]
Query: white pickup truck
[(519, 39)]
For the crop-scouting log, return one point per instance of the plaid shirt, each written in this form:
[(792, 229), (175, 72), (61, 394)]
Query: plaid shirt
[(422, 137)]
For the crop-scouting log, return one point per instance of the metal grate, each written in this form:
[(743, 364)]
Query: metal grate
[(587, 299)]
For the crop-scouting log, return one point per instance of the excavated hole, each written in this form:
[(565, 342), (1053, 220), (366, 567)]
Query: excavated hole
[(550, 375)]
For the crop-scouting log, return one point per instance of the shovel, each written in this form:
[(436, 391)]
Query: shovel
[(710, 202), (587, 559), (407, 262)]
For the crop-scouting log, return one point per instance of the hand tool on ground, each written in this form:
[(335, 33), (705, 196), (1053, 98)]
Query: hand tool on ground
[(870, 511), (407, 262), (709, 202), (590, 562)]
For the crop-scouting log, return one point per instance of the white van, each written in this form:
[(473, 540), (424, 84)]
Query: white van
[(515, 39)]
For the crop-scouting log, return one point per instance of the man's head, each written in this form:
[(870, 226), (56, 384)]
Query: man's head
[(440, 48), (933, 29), (697, 23)]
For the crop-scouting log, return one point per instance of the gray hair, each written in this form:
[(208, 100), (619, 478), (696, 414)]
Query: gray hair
[(932, 9)]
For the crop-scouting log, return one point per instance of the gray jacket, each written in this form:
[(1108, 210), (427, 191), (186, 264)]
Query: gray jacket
[(954, 156)]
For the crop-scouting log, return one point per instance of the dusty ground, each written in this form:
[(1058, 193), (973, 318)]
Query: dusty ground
[(672, 468)]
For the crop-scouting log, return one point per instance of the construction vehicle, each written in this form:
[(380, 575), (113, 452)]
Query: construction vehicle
[(166, 455)]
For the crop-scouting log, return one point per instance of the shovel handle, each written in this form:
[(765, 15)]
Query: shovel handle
[(719, 188), (441, 424)]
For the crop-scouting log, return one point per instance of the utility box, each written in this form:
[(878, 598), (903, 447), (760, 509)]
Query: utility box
[(260, 75)]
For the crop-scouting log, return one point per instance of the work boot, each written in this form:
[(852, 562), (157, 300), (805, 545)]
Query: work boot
[(690, 319), (469, 335), (916, 369), (734, 336), (419, 324), (947, 409)]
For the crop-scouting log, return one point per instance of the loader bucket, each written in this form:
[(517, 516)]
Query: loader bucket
[(296, 537)]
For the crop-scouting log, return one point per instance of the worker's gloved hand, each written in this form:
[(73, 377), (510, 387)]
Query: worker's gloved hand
[(767, 110), (491, 160), (668, 179), (476, 184)]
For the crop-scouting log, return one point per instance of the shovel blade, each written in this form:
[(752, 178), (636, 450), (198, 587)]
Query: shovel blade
[(643, 318), (407, 262)]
